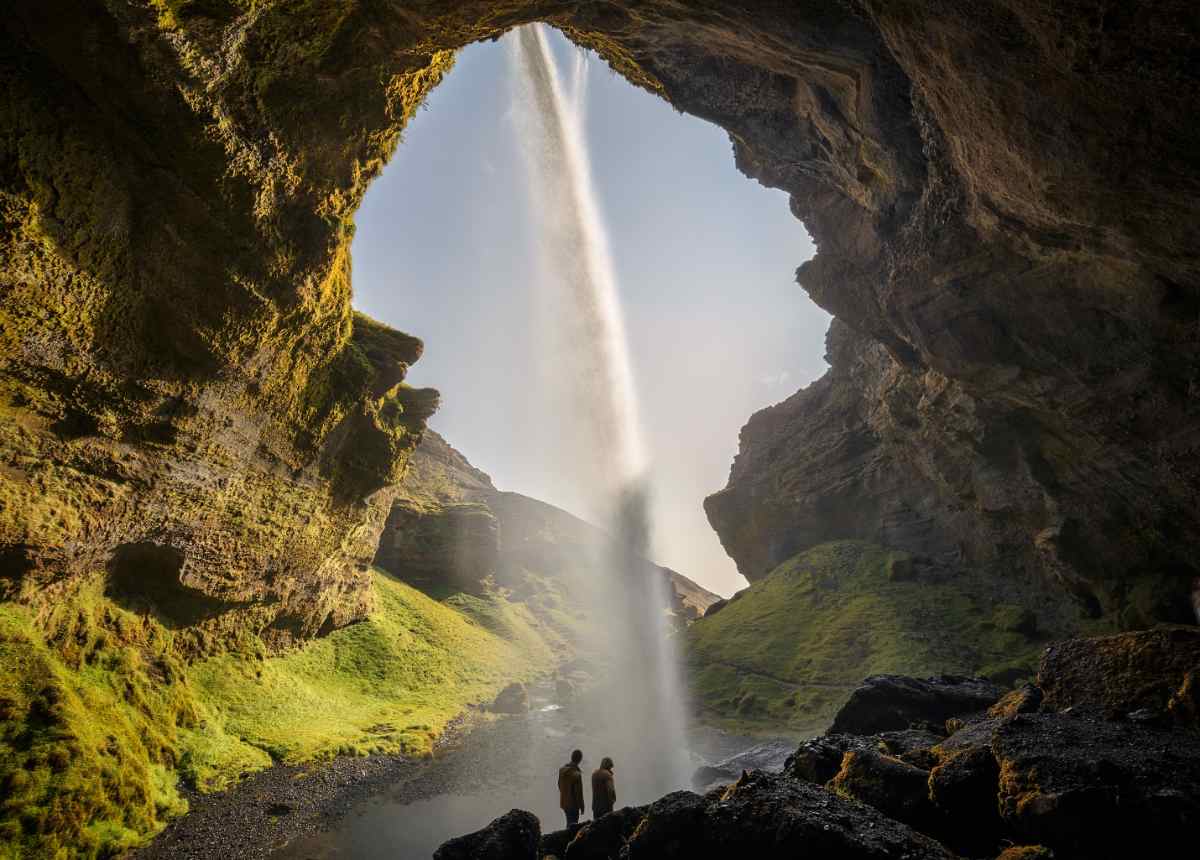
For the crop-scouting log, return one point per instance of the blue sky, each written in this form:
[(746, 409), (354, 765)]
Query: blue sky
[(705, 259)]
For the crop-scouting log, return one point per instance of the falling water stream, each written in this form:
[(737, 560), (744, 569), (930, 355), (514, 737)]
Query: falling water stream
[(641, 715), (634, 712)]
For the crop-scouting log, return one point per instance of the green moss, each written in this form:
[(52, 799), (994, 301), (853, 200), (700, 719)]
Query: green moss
[(388, 684), (786, 653), (99, 720), (91, 707)]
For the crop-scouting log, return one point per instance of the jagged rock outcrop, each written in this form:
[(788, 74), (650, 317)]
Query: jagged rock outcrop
[(770, 816)]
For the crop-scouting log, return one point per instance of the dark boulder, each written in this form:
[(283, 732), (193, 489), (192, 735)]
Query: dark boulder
[(769, 756), (818, 760), (890, 702), (1124, 673), (963, 787), (1089, 787), (768, 816), (513, 836), (896, 789)]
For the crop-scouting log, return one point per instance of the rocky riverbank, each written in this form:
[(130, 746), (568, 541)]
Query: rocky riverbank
[(1100, 758), (396, 806)]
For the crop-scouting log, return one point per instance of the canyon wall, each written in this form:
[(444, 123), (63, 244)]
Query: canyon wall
[(1002, 194)]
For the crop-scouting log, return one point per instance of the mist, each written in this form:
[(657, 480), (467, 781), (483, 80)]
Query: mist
[(638, 710)]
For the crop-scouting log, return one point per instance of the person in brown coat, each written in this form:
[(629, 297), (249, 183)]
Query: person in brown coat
[(570, 788), (604, 789)]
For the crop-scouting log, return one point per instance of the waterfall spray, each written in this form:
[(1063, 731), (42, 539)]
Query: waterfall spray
[(641, 711)]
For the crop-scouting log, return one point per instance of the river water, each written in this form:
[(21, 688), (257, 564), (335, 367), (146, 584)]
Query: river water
[(506, 763)]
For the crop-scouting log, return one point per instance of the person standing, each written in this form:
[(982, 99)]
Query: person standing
[(570, 788), (604, 789)]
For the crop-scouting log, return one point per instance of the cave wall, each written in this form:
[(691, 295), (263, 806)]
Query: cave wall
[(1002, 194)]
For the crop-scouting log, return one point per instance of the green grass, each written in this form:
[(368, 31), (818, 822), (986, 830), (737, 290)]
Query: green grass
[(99, 721), (389, 684), (785, 654)]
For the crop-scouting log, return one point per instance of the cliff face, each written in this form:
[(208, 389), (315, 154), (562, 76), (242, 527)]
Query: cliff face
[(191, 409), (1002, 193)]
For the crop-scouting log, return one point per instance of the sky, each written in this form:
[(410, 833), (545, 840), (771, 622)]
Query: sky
[(705, 260)]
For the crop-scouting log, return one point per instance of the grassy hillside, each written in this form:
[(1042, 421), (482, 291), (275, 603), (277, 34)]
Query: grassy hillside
[(99, 721), (783, 655)]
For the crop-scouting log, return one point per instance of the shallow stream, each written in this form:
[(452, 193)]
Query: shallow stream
[(511, 762)]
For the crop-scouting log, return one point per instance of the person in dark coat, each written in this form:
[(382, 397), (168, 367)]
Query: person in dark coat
[(570, 788), (604, 789)]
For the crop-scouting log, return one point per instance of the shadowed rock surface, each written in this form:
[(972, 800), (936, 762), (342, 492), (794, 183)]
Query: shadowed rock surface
[(515, 835), (1152, 670), (602, 839), (771, 816), (889, 702)]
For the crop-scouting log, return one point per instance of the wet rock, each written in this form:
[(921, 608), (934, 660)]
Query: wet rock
[(770, 756), (769, 816), (516, 835), (513, 699), (1086, 786), (1022, 700), (895, 788), (890, 702), (604, 838), (1124, 673), (817, 760)]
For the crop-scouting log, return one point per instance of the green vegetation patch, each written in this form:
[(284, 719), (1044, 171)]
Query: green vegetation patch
[(99, 720), (786, 652), (389, 684), (91, 707)]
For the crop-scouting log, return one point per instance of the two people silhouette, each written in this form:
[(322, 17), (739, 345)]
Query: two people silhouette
[(570, 788)]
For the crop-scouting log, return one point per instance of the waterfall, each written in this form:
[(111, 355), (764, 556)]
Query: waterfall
[(641, 714)]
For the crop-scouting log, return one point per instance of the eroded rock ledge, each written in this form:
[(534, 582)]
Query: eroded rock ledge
[(1003, 194)]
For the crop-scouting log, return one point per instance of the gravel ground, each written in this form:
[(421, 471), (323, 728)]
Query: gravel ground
[(285, 803)]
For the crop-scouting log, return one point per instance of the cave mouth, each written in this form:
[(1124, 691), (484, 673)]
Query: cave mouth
[(718, 328)]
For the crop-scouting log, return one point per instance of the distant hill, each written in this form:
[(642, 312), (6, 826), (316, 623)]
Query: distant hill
[(451, 531), (783, 654)]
